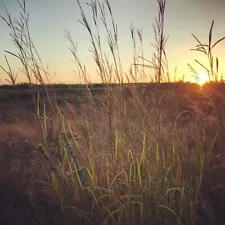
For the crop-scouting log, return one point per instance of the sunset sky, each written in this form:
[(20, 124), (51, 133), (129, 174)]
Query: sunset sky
[(50, 18)]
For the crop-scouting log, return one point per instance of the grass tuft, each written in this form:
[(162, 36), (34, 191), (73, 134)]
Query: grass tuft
[(116, 152)]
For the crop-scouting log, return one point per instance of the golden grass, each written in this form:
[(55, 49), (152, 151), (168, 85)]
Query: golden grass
[(139, 155)]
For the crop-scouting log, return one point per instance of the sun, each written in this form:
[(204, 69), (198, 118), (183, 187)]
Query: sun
[(201, 78)]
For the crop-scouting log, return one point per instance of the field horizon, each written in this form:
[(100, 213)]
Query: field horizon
[(113, 152)]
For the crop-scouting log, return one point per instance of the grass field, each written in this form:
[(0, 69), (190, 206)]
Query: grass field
[(111, 154)]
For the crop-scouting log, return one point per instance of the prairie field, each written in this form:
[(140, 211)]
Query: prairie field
[(111, 153)]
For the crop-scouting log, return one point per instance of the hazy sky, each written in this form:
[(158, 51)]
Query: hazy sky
[(50, 18)]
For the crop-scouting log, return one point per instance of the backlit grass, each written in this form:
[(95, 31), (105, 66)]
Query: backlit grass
[(126, 154)]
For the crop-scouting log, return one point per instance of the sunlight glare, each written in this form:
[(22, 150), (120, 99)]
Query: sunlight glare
[(201, 78)]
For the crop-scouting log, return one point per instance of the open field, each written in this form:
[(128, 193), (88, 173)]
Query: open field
[(112, 153), (159, 159)]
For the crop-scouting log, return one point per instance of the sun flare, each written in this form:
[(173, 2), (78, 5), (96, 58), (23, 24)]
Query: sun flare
[(201, 78)]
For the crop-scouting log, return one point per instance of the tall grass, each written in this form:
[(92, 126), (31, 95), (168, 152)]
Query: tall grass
[(132, 160), (212, 69)]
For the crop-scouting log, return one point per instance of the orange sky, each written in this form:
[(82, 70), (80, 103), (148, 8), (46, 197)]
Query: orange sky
[(50, 18)]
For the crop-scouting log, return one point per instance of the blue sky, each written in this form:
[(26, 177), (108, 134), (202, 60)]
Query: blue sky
[(50, 18)]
